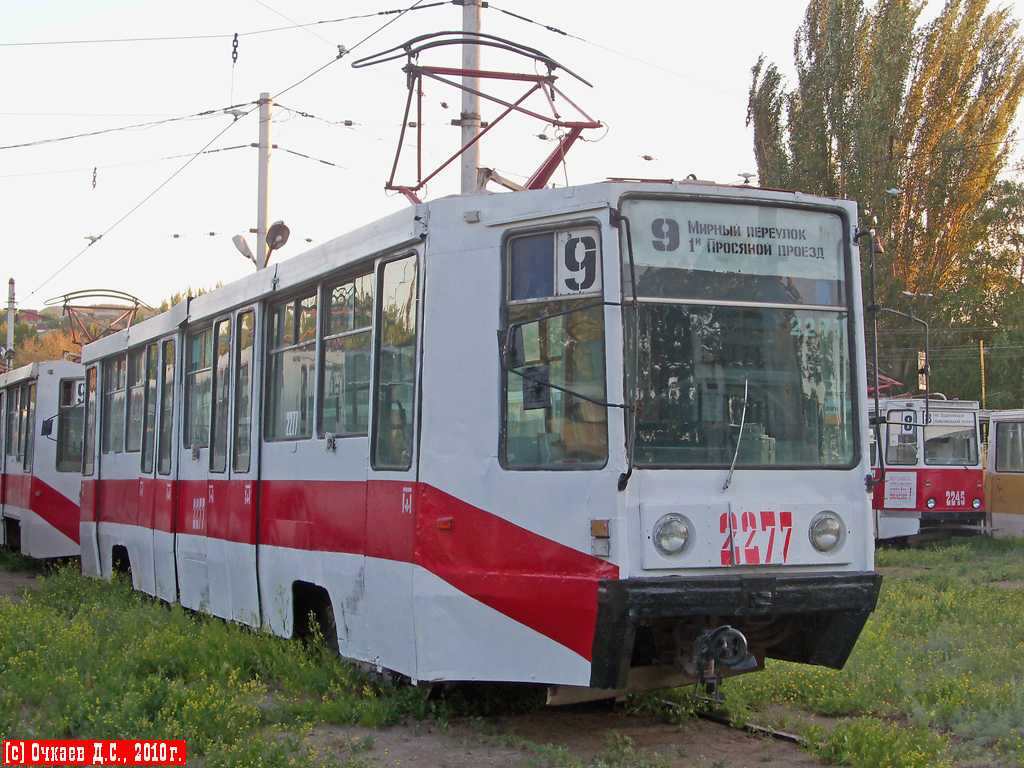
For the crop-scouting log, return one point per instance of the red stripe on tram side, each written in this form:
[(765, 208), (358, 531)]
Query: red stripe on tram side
[(18, 489), (542, 584), (118, 501), (56, 509), (29, 492), (319, 516), (537, 582), (89, 494)]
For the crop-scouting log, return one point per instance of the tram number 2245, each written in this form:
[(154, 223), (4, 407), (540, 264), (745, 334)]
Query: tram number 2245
[(755, 538)]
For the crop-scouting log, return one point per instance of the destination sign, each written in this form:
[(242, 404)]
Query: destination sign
[(740, 239)]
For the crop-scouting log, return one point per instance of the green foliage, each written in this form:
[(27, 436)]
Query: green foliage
[(179, 296), (872, 743), (882, 103), (942, 652), (11, 560), (82, 658), (937, 677)]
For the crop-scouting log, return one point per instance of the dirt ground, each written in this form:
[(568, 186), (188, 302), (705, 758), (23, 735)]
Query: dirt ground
[(534, 740), (12, 585)]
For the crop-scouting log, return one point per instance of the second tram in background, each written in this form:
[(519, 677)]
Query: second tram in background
[(41, 420), (934, 478), (666, 450)]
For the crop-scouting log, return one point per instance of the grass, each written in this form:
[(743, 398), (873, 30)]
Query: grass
[(937, 678), (81, 658)]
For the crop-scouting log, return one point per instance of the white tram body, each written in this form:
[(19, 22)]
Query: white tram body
[(41, 411), (423, 429)]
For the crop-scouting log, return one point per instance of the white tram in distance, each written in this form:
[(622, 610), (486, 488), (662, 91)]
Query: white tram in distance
[(657, 474), (934, 477), (41, 424)]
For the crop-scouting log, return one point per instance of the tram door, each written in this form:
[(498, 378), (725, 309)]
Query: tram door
[(233, 506), (191, 522), (162, 376), (392, 483), (216, 549)]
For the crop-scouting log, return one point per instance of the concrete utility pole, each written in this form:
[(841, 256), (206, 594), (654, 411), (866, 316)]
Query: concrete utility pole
[(262, 251), (470, 118), (10, 325)]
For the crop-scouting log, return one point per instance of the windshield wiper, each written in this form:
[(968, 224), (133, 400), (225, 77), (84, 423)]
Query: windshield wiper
[(739, 437)]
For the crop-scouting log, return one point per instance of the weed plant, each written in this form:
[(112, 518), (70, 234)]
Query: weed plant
[(81, 658), (941, 662), (936, 679)]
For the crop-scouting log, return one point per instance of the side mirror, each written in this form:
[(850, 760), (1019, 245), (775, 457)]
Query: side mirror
[(47, 429), (510, 348)]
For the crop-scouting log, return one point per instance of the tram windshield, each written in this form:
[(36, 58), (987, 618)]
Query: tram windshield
[(741, 344), (952, 443)]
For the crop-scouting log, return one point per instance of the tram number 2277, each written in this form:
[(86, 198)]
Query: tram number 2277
[(755, 538)]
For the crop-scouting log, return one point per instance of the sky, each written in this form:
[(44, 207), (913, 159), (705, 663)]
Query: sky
[(132, 121)]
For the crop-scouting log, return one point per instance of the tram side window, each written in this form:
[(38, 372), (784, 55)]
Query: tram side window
[(165, 444), (291, 368), (221, 395), (112, 427), (396, 365), (345, 402), (149, 419), (1009, 446), (198, 389), (28, 420), (13, 421), (89, 439), (554, 298), (244, 338), (901, 441), (136, 400), (70, 425)]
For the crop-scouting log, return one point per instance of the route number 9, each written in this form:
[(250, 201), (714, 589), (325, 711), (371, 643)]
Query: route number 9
[(666, 233), (578, 262)]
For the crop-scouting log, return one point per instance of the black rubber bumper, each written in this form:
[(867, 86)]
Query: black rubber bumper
[(836, 605)]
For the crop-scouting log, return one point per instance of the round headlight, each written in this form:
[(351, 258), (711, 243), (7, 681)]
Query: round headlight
[(930, 503), (826, 531), (976, 503), (671, 535)]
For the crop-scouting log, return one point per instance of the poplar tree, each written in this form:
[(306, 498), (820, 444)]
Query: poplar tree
[(884, 103)]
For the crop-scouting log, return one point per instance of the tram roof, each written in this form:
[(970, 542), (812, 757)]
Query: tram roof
[(408, 226), (31, 371)]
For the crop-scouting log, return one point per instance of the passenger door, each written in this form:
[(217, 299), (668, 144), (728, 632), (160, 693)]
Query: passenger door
[(191, 524), (165, 489), (392, 491), (231, 487)]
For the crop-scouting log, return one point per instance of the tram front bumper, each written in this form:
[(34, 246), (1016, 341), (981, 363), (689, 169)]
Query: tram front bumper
[(812, 619)]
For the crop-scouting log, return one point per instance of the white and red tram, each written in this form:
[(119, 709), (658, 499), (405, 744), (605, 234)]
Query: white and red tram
[(933, 481), (41, 412), (664, 452)]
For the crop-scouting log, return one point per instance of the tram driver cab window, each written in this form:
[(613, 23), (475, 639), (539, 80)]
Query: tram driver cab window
[(554, 409), (902, 429)]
